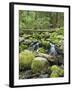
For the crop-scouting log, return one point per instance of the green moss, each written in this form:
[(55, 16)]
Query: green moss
[(54, 68), (61, 72), (56, 71), (41, 50), (22, 47), (45, 43), (25, 59), (54, 74), (36, 66), (39, 66)]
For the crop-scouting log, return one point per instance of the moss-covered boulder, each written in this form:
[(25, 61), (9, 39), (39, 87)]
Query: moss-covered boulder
[(56, 71), (54, 74), (39, 65), (25, 59), (55, 68)]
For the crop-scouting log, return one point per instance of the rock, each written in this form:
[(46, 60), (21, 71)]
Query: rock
[(54, 74), (60, 59), (27, 41), (21, 39), (56, 71), (27, 74), (54, 68), (21, 75), (48, 57), (53, 59), (39, 65), (43, 76), (41, 59)]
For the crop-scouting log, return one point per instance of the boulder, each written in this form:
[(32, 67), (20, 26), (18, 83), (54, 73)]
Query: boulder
[(54, 74), (39, 65), (27, 41), (56, 71)]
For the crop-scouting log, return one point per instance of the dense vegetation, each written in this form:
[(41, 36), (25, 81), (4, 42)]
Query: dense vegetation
[(41, 44)]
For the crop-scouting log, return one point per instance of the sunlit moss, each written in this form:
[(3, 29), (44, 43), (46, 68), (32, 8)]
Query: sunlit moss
[(56, 71), (25, 59), (54, 74), (54, 68)]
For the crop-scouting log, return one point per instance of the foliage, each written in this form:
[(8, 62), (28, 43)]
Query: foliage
[(22, 47), (25, 59), (40, 20)]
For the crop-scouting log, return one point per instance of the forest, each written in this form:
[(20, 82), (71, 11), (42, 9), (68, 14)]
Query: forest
[(41, 44)]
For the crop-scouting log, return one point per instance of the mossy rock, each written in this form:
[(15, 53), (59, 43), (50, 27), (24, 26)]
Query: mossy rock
[(41, 50), (27, 41), (56, 71), (54, 68), (54, 74), (61, 72), (25, 59), (39, 65)]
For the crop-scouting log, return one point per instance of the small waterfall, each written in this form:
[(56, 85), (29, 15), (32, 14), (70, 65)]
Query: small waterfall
[(52, 50)]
